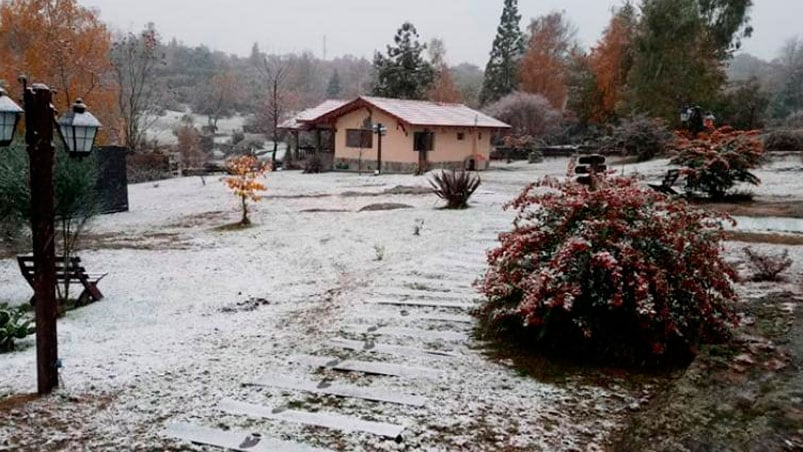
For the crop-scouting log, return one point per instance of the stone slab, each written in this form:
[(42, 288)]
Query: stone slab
[(424, 303), (408, 332), (340, 390), (238, 440), (334, 421), (367, 367), (372, 347)]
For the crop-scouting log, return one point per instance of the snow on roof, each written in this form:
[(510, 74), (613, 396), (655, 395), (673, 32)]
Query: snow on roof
[(297, 122), (413, 112), (424, 113)]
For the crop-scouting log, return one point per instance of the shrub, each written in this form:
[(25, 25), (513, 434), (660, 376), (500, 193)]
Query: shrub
[(620, 273), (314, 165), (767, 267), (795, 120), (784, 140), (147, 167), (529, 115), (714, 163), (14, 325), (455, 187), (641, 136)]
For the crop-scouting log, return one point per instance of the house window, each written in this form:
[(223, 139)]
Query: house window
[(423, 141), (359, 138), (461, 136)]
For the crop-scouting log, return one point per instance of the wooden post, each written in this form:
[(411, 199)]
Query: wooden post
[(318, 141), (379, 152), (39, 121)]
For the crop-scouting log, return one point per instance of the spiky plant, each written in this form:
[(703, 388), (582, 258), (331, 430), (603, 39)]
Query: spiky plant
[(456, 187)]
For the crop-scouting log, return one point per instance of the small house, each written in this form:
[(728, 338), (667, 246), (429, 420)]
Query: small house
[(402, 136)]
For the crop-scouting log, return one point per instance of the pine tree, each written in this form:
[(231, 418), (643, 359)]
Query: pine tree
[(501, 73), (403, 73), (333, 89)]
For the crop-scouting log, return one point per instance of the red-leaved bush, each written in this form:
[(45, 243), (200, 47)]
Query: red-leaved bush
[(619, 273), (713, 163)]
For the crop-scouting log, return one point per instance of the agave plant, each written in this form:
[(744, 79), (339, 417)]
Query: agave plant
[(13, 326), (456, 187)]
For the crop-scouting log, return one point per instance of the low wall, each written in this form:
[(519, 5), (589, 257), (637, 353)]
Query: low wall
[(369, 166)]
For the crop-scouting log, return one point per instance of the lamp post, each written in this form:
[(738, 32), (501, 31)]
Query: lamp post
[(79, 128), (380, 130)]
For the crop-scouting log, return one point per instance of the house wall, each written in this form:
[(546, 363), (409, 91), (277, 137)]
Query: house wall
[(397, 145)]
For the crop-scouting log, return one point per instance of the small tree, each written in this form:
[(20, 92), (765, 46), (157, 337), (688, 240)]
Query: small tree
[(455, 187), (245, 170)]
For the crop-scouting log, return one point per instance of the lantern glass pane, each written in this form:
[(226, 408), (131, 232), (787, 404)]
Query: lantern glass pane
[(69, 137), (7, 122)]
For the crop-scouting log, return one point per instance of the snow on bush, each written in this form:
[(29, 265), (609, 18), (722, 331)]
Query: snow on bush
[(767, 267), (641, 136), (621, 272), (455, 187), (713, 163)]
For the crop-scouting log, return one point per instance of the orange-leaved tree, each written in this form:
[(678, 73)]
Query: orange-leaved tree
[(544, 68), (66, 46), (245, 170), (443, 88), (611, 61)]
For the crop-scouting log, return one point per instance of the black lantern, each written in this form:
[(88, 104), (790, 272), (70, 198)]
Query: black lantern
[(78, 129), (10, 114)]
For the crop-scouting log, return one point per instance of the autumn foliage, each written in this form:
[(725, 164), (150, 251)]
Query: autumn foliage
[(245, 170), (714, 162), (620, 273), (65, 46), (544, 68), (610, 63)]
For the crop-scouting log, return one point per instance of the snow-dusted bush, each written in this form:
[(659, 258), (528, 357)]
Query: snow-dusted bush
[(529, 115), (621, 272), (641, 136), (713, 163), (784, 140), (767, 267)]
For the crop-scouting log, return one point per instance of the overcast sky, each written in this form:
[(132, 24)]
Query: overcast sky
[(359, 27)]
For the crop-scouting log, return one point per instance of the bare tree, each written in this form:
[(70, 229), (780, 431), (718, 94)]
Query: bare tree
[(135, 59), (274, 71)]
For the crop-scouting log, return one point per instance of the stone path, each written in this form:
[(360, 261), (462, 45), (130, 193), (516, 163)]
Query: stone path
[(441, 302)]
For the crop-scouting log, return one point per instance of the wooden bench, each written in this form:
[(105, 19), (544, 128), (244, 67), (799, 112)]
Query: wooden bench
[(666, 185), (73, 272)]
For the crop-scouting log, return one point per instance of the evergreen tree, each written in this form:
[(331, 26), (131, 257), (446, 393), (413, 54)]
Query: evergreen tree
[(333, 89), (403, 73), (501, 73), (681, 48)]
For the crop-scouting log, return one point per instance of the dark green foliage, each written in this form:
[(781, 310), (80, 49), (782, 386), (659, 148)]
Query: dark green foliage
[(14, 325), (455, 187), (641, 136), (680, 48), (314, 165), (403, 73), (333, 89), (501, 73), (743, 105)]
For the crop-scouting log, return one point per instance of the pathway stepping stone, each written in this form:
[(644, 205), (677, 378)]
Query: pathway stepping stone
[(390, 316), (408, 332), (419, 294), (363, 346), (341, 390), (238, 440), (426, 303), (332, 421), (367, 367)]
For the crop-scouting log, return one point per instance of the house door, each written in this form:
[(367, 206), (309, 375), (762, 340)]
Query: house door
[(423, 164)]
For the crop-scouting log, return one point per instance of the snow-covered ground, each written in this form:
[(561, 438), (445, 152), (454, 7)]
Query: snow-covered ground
[(176, 333)]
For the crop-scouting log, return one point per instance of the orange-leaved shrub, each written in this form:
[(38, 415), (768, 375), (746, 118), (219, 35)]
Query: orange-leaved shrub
[(714, 162), (619, 273), (245, 170)]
